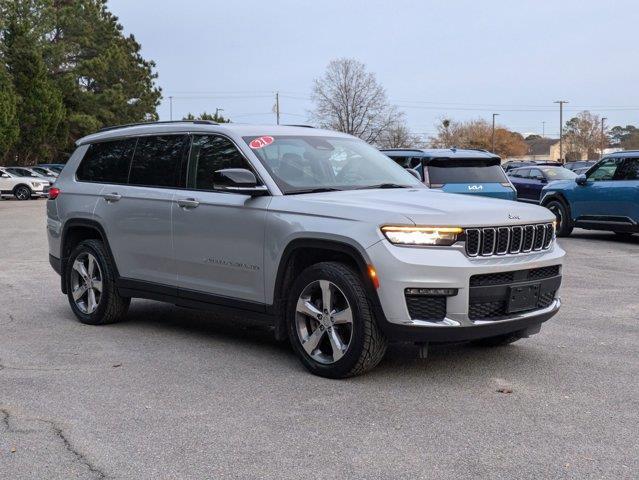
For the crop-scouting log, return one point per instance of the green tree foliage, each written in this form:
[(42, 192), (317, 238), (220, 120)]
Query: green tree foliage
[(40, 110), (89, 63), (8, 113), (215, 117), (625, 137)]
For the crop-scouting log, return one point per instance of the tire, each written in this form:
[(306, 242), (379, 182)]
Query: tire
[(22, 192), (564, 222), (498, 341), (364, 342), (107, 306)]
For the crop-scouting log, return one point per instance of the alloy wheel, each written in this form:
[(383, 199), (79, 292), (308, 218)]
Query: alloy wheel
[(23, 193), (324, 321), (86, 283)]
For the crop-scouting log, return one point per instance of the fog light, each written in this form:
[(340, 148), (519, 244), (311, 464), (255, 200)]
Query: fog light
[(432, 292)]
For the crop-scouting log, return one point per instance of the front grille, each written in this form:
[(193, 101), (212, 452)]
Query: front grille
[(488, 241), (426, 308), (496, 310), (504, 278)]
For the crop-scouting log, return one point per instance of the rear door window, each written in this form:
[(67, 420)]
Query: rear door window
[(629, 170), (159, 161), (107, 162), (449, 170)]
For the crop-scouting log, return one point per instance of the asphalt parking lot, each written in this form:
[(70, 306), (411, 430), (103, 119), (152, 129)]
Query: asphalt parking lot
[(175, 394)]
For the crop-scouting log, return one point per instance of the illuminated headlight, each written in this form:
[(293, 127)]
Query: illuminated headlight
[(418, 236)]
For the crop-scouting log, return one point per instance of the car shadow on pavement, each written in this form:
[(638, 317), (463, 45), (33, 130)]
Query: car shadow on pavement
[(605, 237), (400, 359)]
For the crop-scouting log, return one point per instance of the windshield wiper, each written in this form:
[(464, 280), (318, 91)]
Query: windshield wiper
[(383, 185), (314, 190)]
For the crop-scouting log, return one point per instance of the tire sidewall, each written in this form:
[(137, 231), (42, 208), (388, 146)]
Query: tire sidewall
[(565, 225), (344, 365), (96, 317)]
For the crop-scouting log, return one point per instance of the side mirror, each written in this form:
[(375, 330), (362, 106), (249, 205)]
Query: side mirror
[(543, 180), (415, 174), (238, 180), (581, 179)]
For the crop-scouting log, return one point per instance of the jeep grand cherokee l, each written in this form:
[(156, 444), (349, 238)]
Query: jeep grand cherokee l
[(311, 231)]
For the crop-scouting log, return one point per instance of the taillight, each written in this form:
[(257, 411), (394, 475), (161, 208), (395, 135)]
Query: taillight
[(54, 192)]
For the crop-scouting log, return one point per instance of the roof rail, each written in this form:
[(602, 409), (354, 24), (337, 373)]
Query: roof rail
[(199, 122), (400, 150), (298, 125)]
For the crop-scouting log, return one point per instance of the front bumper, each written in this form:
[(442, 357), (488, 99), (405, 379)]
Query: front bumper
[(401, 268)]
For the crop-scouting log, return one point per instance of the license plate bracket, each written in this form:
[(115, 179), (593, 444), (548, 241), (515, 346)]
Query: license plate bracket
[(523, 297)]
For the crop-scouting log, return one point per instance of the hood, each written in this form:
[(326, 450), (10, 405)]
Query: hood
[(420, 206)]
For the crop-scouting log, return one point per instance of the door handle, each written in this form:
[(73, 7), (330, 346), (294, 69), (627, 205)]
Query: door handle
[(112, 197), (188, 203)]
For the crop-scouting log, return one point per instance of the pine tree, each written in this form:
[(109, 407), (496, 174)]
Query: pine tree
[(39, 107), (8, 113)]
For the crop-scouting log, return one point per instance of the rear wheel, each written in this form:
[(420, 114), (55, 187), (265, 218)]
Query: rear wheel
[(22, 192), (331, 324), (564, 223), (90, 277)]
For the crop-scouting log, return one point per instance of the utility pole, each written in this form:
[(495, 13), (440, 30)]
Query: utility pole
[(493, 136), (170, 107), (561, 129), (543, 129), (603, 137), (277, 107)]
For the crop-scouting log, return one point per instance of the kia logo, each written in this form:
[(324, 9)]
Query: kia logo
[(475, 187)]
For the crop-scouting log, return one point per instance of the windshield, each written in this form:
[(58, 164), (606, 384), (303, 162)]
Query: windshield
[(305, 163), (444, 171), (21, 172), (558, 173)]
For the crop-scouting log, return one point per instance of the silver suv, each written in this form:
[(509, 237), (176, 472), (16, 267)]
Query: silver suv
[(311, 231)]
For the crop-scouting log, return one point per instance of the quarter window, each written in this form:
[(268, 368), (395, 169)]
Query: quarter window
[(107, 162), (210, 153), (158, 161)]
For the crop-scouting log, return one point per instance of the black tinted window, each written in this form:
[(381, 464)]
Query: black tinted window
[(629, 170), (210, 153), (442, 172), (158, 161), (107, 162)]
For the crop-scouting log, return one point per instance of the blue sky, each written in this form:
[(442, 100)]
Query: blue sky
[(458, 59)]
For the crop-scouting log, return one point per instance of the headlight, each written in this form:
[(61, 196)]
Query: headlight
[(417, 236), (35, 184)]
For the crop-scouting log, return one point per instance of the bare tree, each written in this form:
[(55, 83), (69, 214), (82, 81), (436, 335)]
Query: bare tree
[(478, 134), (583, 134), (348, 99), (399, 135)]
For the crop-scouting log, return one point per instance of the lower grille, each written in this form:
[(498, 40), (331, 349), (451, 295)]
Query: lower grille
[(497, 310), (426, 308), (489, 292)]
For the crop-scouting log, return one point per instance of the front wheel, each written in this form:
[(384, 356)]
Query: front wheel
[(22, 193), (331, 324), (564, 223)]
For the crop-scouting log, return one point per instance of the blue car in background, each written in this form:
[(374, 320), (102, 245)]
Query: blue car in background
[(606, 197), (474, 172), (530, 181)]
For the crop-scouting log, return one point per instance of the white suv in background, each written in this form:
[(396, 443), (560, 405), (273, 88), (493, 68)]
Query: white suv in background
[(313, 232), (22, 184)]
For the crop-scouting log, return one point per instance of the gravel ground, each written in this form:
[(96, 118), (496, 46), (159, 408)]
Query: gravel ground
[(177, 394)]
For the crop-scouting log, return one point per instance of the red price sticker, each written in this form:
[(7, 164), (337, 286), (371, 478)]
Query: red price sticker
[(261, 142)]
